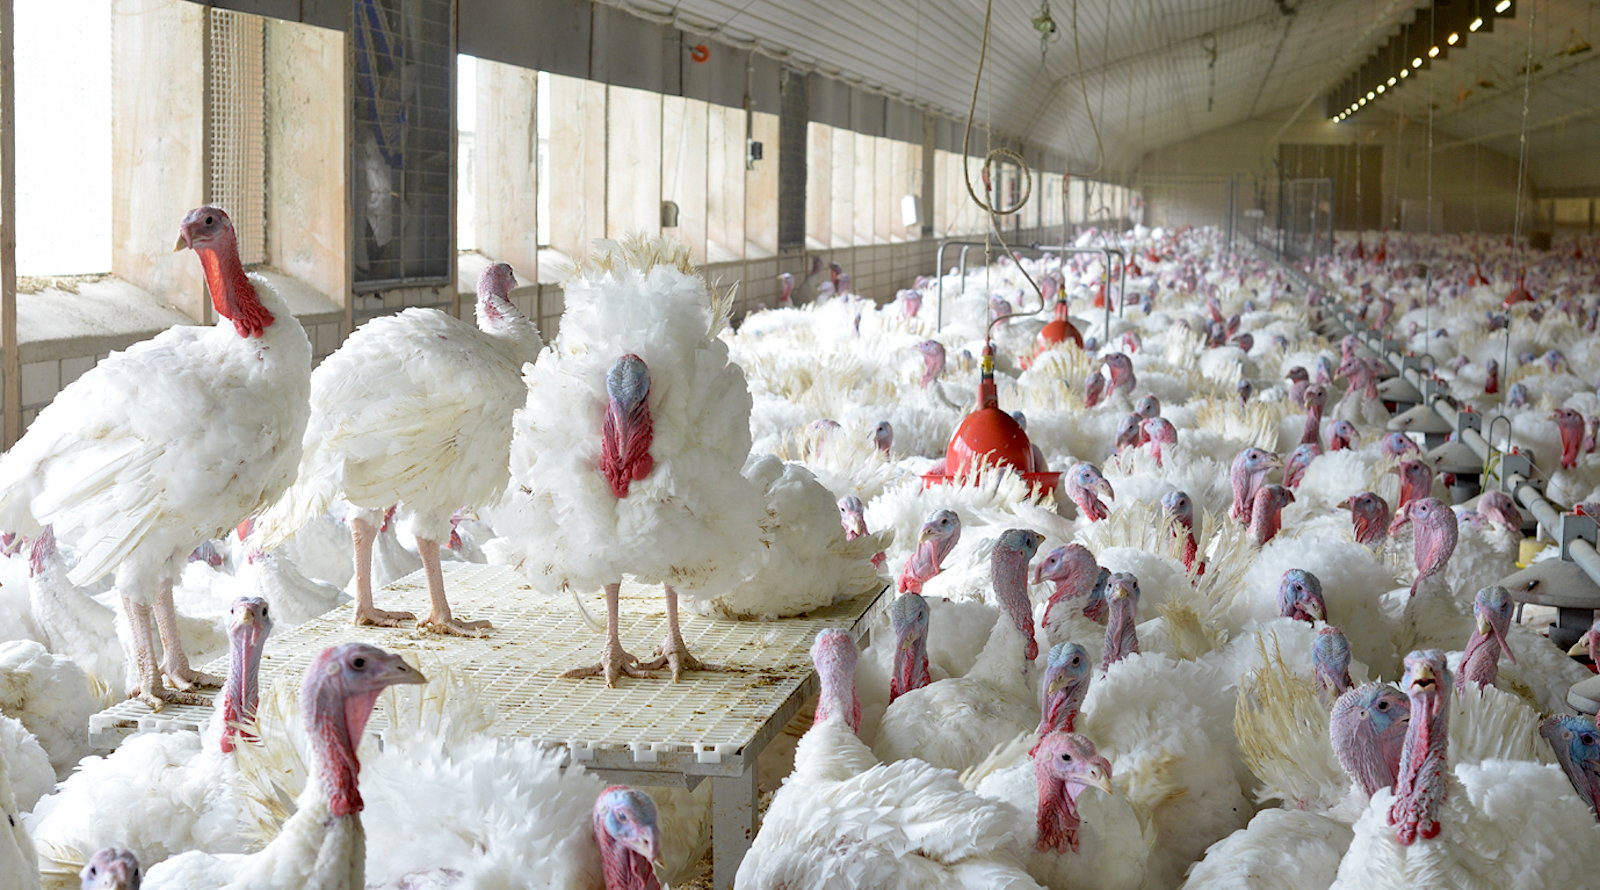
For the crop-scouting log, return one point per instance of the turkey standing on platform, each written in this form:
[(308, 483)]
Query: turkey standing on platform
[(627, 456), (413, 409), (166, 445)]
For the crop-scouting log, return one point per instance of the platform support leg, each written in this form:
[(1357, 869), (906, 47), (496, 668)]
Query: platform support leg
[(733, 827)]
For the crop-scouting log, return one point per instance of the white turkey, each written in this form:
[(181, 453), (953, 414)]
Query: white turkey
[(413, 409), (843, 819), (322, 844), (166, 445), (162, 793), (626, 458)]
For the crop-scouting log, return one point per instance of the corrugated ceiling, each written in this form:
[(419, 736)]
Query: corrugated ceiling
[(1148, 72)]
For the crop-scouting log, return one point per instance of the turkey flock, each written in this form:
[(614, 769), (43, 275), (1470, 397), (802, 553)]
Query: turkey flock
[(1217, 625)]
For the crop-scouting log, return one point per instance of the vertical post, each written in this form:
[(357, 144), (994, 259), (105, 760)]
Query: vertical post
[(8, 223), (346, 185), (733, 827)]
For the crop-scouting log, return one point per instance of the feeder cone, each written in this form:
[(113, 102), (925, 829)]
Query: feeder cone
[(993, 436), (1058, 329), (1519, 294)]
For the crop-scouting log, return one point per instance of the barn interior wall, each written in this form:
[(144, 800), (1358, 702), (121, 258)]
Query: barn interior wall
[(1474, 187)]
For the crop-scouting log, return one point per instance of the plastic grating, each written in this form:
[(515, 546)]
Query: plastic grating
[(695, 724)]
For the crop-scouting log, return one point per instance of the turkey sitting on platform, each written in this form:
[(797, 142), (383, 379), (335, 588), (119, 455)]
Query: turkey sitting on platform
[(413, 409), (166, 445)]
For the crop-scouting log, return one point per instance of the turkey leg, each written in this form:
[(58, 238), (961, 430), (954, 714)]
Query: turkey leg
[(439, 620), (673, 653), (175, 663), (614, 662), (364, 533), (151, 690)]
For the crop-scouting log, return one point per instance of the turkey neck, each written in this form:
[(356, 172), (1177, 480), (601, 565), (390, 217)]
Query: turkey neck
[(241, 690), (1057, 817), (1011, 644), (1122, 637), (910, 665), (623, 867), (1420, 787), (335, 725), (232, 294)]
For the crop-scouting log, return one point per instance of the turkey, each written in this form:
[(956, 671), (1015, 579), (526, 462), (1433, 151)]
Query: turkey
[(52, 697), (1081, 839), (413, 409), (955, 723), (843, 819), (162, 793), (322, 844), (1496, 823), (166, 445), (111, 868), (627, 455), (19, 870)]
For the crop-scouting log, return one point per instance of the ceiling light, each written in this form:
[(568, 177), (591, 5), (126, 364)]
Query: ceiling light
[(1433, 52), (1476, 24), (1381, 87), (1502, 6), (1363, 101), (1452, 38), (1391, 81), (1405, 73), (1417, 62)]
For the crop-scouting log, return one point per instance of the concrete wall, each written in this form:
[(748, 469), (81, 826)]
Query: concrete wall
[(1475, 186)]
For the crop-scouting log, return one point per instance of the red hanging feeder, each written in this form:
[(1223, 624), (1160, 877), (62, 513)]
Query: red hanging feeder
[(1520, 293), (994, 436), (1057, 330)]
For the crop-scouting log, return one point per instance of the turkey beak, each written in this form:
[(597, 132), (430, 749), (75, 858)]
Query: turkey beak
[(1104, 487), (183, 241), (1315, 610), (1581, 647), (1344, 504), (1097, 776)]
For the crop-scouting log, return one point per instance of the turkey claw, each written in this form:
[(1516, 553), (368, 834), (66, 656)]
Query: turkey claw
[(679, 660), (185, 679), (455, 627), (614, 662), (160, 698), (382, 618)]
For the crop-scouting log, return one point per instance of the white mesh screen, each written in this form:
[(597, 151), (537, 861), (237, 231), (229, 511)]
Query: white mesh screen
[(238, 100)]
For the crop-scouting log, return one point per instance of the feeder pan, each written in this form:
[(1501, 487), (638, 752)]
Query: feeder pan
[(994, 436), (1059, 329), (1562, 584), (1399, 390), (1456, 458), (1421, 419)]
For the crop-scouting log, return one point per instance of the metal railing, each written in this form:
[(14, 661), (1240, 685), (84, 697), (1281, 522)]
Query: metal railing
[(1038, 250)]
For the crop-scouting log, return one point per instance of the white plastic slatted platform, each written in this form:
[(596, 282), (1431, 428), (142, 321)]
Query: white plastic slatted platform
[(710, 725)]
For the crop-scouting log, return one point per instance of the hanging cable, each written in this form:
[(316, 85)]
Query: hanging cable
[(991, 156), (1522, 169)]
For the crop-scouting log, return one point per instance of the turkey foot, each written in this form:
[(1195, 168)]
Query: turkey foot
[(151, 690), (175, 663), (673, 653), (379, 617), (444, 624), (440, 621), (614, 661), (363, 534)]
